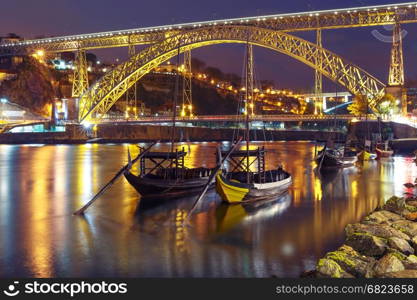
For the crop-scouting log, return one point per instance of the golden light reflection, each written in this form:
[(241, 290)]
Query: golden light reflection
[(83, 170), (280, 239), (318, 193), (39, 235), (354, 188)]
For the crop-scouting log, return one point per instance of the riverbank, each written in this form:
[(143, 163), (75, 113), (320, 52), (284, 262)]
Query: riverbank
[(382, 245)]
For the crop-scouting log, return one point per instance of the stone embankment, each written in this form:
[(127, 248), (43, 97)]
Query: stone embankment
[(382, 245)]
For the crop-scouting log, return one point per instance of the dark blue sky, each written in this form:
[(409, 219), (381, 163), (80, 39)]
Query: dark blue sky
[(31, 18)]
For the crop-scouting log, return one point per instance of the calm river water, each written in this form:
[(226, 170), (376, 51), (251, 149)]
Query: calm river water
[(41, 186)]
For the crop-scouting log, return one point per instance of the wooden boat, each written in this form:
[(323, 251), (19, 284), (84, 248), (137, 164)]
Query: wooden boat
[(366, 156), (243, 186), (383, 151), (237, 182), (332, 158), (163, 175), (156, 183)]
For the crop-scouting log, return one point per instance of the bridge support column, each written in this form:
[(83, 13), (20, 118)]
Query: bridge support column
[(318, 84), (131, 94), (80, 79), (249, 82), (187, 96), (396, 71)]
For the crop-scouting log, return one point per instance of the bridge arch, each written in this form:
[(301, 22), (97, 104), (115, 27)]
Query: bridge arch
[(102, 95)]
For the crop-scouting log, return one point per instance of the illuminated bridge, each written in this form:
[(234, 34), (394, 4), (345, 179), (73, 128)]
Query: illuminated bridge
[(234, 118), (270, 31)]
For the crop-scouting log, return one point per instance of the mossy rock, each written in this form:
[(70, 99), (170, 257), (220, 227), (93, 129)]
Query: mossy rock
[(396, 205), (407, 227), (401, 245), (367, 244), (329, 268), (410, 208), (380, 230), (352, 262), (381, 217), (388, 263)]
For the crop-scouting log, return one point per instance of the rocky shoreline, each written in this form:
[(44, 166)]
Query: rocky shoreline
[(382, 245)]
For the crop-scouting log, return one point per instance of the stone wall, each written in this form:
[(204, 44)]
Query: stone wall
[(163, 133)]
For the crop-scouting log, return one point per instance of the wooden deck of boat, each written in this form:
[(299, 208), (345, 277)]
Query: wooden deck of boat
[(164, 155), (242, 153)]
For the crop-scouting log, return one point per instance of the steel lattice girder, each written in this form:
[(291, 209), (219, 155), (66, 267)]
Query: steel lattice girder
[(104, 93), (330, 19)]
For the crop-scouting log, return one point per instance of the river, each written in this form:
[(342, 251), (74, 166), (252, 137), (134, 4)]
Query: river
[(42, 185)]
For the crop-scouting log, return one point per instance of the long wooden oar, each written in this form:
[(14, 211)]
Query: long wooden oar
[(113, 180), (211, 178)]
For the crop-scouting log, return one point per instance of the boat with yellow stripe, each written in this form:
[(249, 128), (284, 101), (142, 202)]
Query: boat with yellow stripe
[(243, 177), (246, 186)]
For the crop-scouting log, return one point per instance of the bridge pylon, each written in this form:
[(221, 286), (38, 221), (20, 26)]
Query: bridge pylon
[(131, 93), (396, 70), (187, 95), (318, 83), (80, 79)]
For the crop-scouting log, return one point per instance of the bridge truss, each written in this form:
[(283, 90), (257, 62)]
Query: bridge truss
[(104, 93)]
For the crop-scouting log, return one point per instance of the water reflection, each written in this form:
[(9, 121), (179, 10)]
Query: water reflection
[(41, 186)]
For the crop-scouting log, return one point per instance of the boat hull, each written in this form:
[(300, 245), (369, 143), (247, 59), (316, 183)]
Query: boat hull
[(326, 160), (383, 153), (155, 191), (234, 192), (366, 156)]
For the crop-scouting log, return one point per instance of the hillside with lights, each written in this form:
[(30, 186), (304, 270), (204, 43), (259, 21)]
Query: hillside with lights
[(38, 81)]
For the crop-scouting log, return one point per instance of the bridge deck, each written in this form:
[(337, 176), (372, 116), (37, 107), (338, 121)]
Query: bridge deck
[(288, 22)]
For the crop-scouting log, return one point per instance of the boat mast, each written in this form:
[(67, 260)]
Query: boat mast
[(248, 101), (174, 104)]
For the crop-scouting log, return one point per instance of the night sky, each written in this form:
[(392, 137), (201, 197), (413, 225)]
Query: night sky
[(30, 18)]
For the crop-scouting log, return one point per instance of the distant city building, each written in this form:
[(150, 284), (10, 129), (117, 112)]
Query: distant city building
[(8, 65), (10, 39)]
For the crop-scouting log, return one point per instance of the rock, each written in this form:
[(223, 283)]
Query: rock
[(379, 230), (411, 208), (412, 259), (406, 226), (414, 243), (395, 205), (412, 202), (329, 268), (388, 263), (382, 217), (400, 274), (400, 245), (367, 244), (352, 262), (411, 216), (409, 262)]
